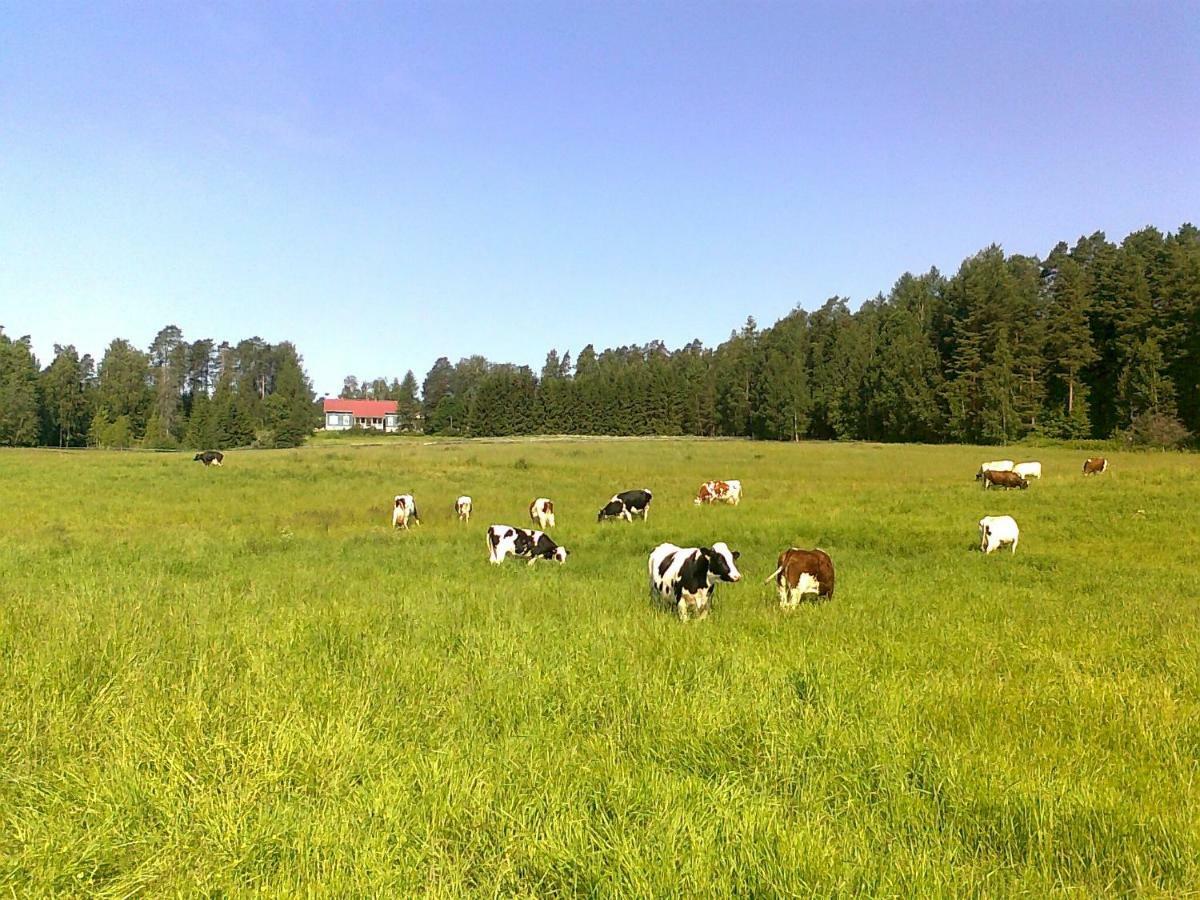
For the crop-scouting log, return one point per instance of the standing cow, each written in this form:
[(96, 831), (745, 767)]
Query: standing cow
[(997, 530), (462, 507), (801, 573), (1095, 465), (404, 509), (541, 513), (1028, 470), (1004, 480), (626, 505), (999, 465), (209, 458), (685, 578), (719, 492)]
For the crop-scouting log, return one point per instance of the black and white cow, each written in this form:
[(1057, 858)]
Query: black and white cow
[(523, 543), (626, 505), (462, 506), (405, 508), (685, 578), (209, 458)]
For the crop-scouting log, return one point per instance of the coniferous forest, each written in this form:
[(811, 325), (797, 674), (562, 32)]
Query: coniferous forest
[(175, 394), (1096, 340)]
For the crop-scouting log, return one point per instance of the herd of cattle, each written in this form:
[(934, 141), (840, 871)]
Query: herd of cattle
[(685, 578), (996, 531)]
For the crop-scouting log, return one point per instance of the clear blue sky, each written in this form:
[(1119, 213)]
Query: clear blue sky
[(387, 183)]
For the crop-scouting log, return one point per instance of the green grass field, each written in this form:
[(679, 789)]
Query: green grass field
[(241, 681)]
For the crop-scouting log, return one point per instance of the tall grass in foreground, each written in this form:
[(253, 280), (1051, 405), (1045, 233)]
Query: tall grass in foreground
[(241, 681)]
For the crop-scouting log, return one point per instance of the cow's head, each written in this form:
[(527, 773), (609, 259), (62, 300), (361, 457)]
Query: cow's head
[(199, 457), (721, 563), (560, 554), (611, 509)]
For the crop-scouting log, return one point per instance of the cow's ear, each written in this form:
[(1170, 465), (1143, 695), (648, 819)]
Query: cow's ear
[(737, 553)]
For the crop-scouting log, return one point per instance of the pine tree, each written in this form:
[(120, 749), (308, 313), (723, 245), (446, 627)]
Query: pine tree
[(66, 404), (20, 411)]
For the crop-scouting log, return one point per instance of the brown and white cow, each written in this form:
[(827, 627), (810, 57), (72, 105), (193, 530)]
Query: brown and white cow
[(541, 513), (1004, 480), (720, 492), (1095, 465), (801, 573)]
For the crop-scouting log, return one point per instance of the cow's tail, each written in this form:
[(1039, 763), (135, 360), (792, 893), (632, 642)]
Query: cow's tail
[(774, 575)]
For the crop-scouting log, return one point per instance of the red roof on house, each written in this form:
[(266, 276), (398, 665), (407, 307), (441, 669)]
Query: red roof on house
[(361, 408)]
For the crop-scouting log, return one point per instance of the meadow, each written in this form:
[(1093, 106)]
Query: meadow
[(241, 681)]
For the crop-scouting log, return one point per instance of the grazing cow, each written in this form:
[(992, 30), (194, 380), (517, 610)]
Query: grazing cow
[(405, 508), (685, 578), (1004, 480), (209, 458), (997, 530), (803, 572), (1094, 465), (999, 465), (626, 505), (523, 543), (462, 506), (720, 492), (541, 513), (1028, 470)]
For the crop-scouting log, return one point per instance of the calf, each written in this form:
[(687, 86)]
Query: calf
[(685, 578), (405, 508), (626, 505), (999, 465), (1028, 470), (541, 513), (209, 458), (997, 530), (803, 572), (523, 543), (720, 492), (1095, 465), (1004, 480), (462, 506)]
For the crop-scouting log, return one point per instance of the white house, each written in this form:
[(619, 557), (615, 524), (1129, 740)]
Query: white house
[(380, 415)]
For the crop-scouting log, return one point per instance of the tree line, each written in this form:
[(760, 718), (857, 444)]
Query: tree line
[(176, 393), (1097, 339)]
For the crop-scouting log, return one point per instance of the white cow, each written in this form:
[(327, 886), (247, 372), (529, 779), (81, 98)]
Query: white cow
[(1028, 470), (997, 530), (462, 506), (999, 465), (405, 508)]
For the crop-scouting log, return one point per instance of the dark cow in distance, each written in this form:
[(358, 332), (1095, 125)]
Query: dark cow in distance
[(626, 505), (1004, 480), (209, 458), (1095, 465), (803, 572)]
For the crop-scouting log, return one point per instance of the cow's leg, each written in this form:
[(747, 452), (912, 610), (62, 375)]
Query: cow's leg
[(1014, 545), (681, 608)]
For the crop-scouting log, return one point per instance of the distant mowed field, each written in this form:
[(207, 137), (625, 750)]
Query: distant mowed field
[(242, 681)]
